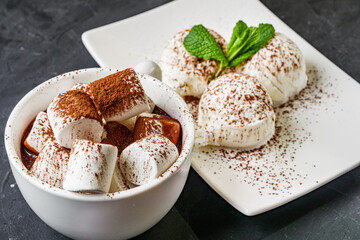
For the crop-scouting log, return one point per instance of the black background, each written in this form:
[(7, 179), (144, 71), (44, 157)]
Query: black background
[(40, 39)]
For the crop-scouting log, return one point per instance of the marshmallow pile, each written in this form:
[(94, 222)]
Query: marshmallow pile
[(101, 137), (236, 109)]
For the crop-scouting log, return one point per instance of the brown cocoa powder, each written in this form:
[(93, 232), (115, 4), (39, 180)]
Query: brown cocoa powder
[(75, 104), (117, 92), (273, 169), (118, 135)]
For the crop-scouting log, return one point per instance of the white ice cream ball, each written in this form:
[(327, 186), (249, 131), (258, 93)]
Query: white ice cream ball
[(188, 75), (280, 67), (235, 111)]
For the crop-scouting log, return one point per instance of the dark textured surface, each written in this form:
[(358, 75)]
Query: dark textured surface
[(41, 39)]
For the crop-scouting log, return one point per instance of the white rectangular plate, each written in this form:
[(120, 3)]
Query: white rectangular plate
[(321, 136)]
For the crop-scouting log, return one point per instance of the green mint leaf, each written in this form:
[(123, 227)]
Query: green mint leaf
[(238, 31), (245, 42), (264, 33), (267, 31), (254, 36), (200, 43), (241, 58), (241, 45), (238, 44)]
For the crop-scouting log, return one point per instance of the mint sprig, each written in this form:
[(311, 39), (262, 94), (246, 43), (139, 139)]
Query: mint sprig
[(258, 37), (200, 43), (245, 42)]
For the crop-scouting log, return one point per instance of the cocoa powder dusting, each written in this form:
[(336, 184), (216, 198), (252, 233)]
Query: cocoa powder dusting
[(157, 124), (118, 135), (273, 168), (117, 92), (75, 104)]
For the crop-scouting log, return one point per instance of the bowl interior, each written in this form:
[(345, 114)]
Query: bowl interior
[(40, 97)]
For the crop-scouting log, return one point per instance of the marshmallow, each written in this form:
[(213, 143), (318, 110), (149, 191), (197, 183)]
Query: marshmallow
[(146, 159), (235, 111), (120, 96), (85, 88), (117, 135), (129, 123), (40, 133), (91, 167), (280, 67), (51, 164), (82, 87), (73, 115), (188, 75), (151, 105), (147, 124), (118, 181)]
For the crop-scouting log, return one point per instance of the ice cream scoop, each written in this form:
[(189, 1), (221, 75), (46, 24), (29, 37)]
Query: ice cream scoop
[(280, 67), (188, 75), (235, 111)]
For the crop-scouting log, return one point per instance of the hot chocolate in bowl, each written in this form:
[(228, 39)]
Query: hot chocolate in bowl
[(99, 216)]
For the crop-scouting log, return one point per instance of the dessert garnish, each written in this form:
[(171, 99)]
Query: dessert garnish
[(200, 43), (245, 42), (187, 74)]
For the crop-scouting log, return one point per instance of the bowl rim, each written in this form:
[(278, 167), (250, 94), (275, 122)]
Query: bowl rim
[(15, 159)]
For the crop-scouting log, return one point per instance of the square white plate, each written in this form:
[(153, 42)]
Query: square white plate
[(321, 137)]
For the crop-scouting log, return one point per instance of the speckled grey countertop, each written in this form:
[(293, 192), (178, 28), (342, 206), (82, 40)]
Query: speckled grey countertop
[(40, 39)]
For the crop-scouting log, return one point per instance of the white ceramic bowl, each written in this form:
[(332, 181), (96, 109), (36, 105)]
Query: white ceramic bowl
[(116, 216)]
